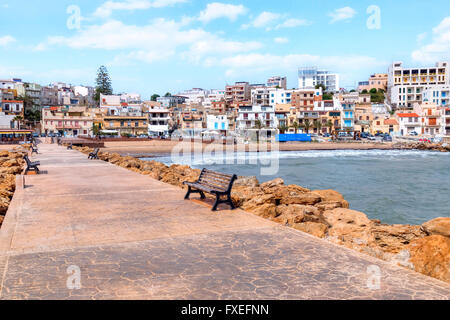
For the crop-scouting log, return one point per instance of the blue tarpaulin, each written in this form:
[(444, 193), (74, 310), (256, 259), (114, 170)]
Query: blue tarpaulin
[(294, 137)]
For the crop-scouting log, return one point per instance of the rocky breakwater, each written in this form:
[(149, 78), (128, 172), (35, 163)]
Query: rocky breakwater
[(321, 213), (11, 163), (439, 147)]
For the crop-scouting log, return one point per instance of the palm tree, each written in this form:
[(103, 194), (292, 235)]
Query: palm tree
[(318, 125), (258, 127), (295, 125), (18, 119), (330, 126), (307, 125), (283, 128)]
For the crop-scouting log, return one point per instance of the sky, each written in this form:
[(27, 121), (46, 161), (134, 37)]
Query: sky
[(159, 46)]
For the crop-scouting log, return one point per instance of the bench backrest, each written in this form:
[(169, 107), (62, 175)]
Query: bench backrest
[(25, 157), (221, 181)]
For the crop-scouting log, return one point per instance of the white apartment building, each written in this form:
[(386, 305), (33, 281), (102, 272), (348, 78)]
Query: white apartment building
[(280, 96), (248, 115), (406, 86), (309, 77), (158, 120), (446, 121), (408, 123), (194, 95), (214, 96), (280, 82), (438, 94), (217, 123)]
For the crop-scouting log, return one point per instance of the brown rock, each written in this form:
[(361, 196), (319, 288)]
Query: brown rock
[(332, 197), (243, 194), (313, 228), (395, 238), (346, 216), (431, 256), (273, 183), (266, 210), (258, 201), (438, 226), (293, 197), (246, 182)]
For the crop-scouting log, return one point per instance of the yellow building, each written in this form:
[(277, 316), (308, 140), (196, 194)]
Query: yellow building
[(126, 124)]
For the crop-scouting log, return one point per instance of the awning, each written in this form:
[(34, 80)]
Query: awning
[(16, 131)]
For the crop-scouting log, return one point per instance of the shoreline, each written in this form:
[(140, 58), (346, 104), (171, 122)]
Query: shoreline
[(142, 149)]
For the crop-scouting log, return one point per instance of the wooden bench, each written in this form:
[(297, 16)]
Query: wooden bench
[(213, 182), (34, 149), (69, 147), (33, 166), (94, 154)]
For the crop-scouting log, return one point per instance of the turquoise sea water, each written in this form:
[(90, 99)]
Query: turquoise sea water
[(406, 187)]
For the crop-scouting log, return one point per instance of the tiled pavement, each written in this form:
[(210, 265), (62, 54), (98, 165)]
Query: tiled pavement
[(133, 237)]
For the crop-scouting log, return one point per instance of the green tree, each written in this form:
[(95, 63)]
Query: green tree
[(19, 119), (283, 129), (168, 94), (330, 126), (258, 127), (365, 91), (296, 126), (154, 97), (318, 125), (307, 125), (321, 85), (103, 83), (327, 96)]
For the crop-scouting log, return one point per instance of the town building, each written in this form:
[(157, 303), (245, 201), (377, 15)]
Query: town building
[(348, 116), (438, 94), (240, 91), (376, 81), (12, 107), (310, 77), (158, 120), (69, 121), (409, 123), (277, 82), (171, 101), (251, 117), (218, 123), (430, 118), (406, 86)]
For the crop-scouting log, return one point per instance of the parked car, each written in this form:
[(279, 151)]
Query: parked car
[(387, 138), (413, 133), (326, 135)]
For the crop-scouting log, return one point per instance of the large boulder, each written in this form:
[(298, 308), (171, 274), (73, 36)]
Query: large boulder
[(257, 201), (431, 256), (246, 182), (241, 194), (438, 226), (331, 199), (340, 216), (266, 210), (295, 197), (395, 238), (314, 228)]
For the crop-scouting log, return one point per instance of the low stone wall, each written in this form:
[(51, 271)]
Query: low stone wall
[(322, 213), (441, 147), (11, 164)]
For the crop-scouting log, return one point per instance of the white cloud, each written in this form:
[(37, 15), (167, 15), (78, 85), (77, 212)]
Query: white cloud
[(265, 19), (342, 14), (107, 8), (292, 23), (159, 40), (218, 10), (439, 47), (421, 37), (254, 64), (5, 40), (281, 40)]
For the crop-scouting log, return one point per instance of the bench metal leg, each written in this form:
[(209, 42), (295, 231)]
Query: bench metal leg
[(187, 194), (214, 208), (230, 201)]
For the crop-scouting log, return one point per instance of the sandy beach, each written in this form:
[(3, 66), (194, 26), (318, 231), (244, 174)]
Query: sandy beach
[(158, 147)]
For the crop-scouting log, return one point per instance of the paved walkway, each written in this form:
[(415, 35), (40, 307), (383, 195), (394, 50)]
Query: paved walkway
[(133, 237)]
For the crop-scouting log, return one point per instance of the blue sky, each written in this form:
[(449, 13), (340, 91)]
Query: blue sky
[(155, 46)]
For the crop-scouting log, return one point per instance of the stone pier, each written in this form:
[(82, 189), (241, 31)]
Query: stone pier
[(91, 230)]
